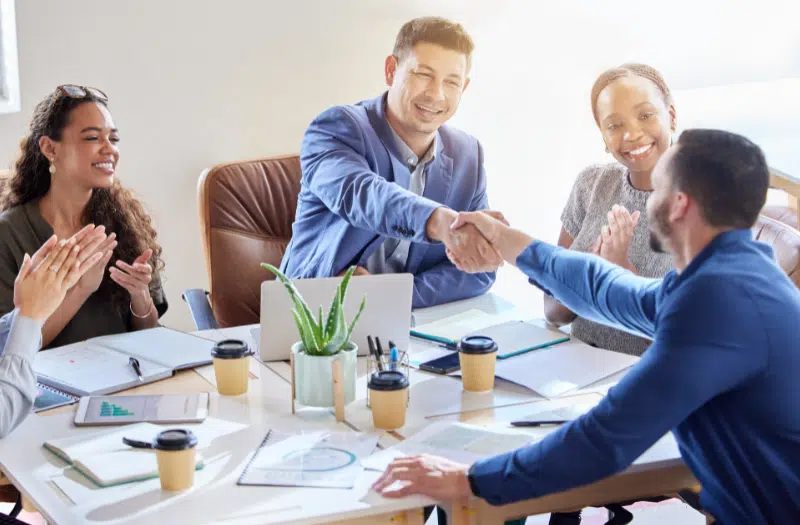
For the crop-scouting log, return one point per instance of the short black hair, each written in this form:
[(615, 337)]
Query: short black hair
[(433, 30), (725, 172)]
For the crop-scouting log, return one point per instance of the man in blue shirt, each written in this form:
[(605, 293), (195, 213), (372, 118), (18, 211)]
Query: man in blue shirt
[(721, 373), (383, 179)]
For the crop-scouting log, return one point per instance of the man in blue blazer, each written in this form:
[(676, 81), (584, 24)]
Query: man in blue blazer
[(383, 179)]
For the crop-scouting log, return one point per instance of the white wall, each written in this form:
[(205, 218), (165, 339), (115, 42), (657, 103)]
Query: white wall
[(197, 82)]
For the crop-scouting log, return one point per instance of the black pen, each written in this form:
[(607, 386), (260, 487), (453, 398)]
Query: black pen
[(136, 368), (374, 353), (380, 352), (539, 423)]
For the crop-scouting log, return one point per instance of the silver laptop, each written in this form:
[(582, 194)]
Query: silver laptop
[(387, 314)]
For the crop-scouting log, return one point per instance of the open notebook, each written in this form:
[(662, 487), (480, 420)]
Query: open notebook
[(104, 459), (512, 337), (101, 365)]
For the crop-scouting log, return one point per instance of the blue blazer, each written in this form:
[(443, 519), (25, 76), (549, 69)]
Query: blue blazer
[(354, 194)]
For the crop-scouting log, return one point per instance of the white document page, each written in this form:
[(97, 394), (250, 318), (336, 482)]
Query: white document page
[(316, 459), (559, 369), (454, 441)]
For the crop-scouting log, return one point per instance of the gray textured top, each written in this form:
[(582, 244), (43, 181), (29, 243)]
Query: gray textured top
[(596, 190)]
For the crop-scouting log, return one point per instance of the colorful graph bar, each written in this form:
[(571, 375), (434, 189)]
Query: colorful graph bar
[(110, 410)]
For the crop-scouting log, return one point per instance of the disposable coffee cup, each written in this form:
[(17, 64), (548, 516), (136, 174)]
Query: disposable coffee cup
[(231, 366), (176, 455), (388, 398), (477, 355)]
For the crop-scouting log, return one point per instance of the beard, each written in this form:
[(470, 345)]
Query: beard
[(659, 228), (655, 243)]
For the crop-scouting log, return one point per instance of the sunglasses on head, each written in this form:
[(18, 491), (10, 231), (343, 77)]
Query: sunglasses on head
[(73, 91)]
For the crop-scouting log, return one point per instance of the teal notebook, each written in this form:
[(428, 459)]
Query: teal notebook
[(512, 337)]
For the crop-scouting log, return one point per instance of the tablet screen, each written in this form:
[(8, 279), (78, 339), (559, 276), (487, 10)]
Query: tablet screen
[(106, 410)]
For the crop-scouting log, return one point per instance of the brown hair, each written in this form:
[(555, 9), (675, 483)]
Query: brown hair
[(115, 207), (433, 30), (627, 70)]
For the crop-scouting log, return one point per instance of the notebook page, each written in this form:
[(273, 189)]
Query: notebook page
[(103, 442), (122, 466), (86, 368), (514, 336), (170, 348), (457, 326)]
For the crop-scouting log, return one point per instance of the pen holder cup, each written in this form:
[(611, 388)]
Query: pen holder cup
[(372, 368)]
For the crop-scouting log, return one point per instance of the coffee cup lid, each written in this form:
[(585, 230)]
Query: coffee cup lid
[(175, 439), (477, 344), (388, 380), (230, 349)]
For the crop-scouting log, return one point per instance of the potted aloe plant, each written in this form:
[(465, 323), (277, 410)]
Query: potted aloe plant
[(320, 344)]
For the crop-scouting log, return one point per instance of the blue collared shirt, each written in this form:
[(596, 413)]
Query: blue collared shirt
[(392, 255), (721, 374)]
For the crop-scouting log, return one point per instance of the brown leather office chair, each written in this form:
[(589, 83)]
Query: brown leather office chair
[(778, 225), (791, 185), (246, 214)]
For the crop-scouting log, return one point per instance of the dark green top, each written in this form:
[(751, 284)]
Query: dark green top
[(24, 230)]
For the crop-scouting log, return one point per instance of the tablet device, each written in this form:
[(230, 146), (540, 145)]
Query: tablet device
[(121, 410), (442, 365)]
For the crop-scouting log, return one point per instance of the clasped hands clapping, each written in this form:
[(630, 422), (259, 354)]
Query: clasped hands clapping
[(77, 265), (473, 243)]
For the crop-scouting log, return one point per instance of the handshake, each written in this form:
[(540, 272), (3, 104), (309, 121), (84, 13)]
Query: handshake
[(473, 240), (480, 241)]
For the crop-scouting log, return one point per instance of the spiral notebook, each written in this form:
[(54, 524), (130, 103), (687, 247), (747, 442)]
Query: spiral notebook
[(49, 397), (316, 459)]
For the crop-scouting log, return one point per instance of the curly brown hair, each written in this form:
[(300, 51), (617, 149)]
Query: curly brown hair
[(115, 207)]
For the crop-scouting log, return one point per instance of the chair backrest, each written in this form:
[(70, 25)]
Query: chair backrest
[(246, 215), (791, 185), (785, 242)]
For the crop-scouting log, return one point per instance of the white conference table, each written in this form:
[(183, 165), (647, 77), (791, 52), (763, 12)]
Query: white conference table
[(215, 497)]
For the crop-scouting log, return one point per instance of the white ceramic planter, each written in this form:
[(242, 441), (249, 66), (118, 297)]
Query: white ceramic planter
[(313, 376)]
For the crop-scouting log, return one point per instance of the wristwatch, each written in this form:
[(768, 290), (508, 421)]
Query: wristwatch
[(471, 479)]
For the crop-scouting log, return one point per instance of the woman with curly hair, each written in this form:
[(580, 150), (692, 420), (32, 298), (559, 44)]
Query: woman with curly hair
[(62, 181)]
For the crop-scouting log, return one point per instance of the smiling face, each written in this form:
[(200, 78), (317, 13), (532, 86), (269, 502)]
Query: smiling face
[(635, 121), (425, 87), (87, 153)]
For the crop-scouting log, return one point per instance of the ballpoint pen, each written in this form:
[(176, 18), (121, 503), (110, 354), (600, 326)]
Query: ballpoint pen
[(440, 341), (136, 368), (379, 350), (374, 352), (539, 423)]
